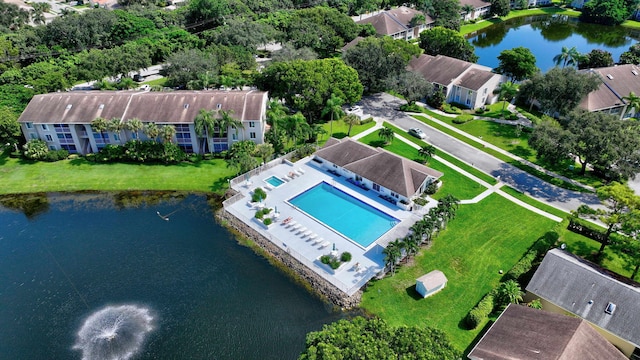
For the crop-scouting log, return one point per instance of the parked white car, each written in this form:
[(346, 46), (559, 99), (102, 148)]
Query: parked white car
[(417, 133)]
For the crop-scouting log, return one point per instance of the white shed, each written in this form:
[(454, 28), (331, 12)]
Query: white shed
[(431, 283)]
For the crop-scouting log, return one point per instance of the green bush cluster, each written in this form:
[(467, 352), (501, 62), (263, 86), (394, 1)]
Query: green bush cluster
[(345, 256), (258, 195), (262, 212), (37, 149), (411, 108), (140, 152), (461, 119), (481, 312), (450, 109), (431, 188), (366, 121), (480, 110), (56, 155), (267, 221), (523, 266)]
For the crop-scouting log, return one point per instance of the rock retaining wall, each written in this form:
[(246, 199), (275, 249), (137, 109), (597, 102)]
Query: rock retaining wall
[(317, 283)]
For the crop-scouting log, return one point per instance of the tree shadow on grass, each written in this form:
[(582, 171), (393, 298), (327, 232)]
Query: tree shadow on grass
[(219, 185), (413, 293), (377, 143)]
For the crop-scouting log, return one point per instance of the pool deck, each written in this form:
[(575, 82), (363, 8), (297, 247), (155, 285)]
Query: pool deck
[(365, 263)]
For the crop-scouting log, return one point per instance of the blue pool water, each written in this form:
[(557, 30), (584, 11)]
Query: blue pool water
[(274, 181), (347, 215)]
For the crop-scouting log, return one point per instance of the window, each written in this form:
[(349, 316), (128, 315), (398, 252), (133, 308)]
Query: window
[(44, 127), (610, 309), (468, 101), (70, 148), (33, 136), (49, 138), (234, 136), (252, 135), (485, 91), (376, 187), (51, 147), (252, 124), (29, 125), (116, 137)]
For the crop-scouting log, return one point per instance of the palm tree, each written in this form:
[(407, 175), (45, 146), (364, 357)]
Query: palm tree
[(167, 132), (317, 130), (633, 103), (134, 125), (204, 122), (392, 254), (418, 19), (115, 126), (427, 152), (511, 291), (386, 134), (152, 131), (37, 13), (567, 56), (351, 119), (264, 151), (506, 92), (100, 124), (412, 244), (333, 108), (296, 127), (467, 9), (226, 121)]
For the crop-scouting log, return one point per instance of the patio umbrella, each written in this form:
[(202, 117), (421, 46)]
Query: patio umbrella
[(334, 246), (276, 209)]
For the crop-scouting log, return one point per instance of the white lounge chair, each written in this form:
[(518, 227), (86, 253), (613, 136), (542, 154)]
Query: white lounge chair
[(296, 227), (301, 230), (307, 233), (292, 223), (317, 241), (313, 236), (324, 244), (300, 171)]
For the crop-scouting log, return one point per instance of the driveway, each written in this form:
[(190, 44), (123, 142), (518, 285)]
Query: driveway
[(384, 106)]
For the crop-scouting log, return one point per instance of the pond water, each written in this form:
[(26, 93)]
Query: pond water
[(545, 36), (101, 275)]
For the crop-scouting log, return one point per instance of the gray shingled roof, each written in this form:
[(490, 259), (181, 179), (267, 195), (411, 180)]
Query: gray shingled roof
[(584, 289), (160, 107), (477, 4), (617, 82), (475, 78), (525, 333), (438, 69), (391, 171)]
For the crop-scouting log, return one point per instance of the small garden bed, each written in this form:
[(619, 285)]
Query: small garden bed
[(334, 262)]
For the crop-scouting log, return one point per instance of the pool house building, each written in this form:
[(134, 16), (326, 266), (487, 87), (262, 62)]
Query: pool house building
[(63, 120), (395, 179)]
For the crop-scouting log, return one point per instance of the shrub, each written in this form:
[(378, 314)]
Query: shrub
[(480, 110), (481, 312), (461, 119), (432, 188), (420, 201), (345, 256), (305, 150), (36, 149), (449, 109), (56, 155), (334, 263), (522, 266), (258, 195), (267, 221), (411, 108), (512, 116), (436, 100), (366, 121), (325, 259), (142, 152)]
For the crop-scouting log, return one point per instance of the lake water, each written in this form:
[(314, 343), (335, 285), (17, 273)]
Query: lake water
[(546, 35), (165, 289)]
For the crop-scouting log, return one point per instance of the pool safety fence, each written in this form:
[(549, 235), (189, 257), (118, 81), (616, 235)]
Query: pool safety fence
[(363, 276), (261, 168)]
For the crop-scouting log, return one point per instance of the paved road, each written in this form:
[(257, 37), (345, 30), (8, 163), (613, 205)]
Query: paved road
[(385, 106)]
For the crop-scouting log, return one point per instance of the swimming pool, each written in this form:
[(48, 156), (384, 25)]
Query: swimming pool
[(274, 181), (347, 215)]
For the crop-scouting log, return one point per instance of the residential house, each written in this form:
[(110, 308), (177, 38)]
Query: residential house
[(567, 284), (481, 9), (462, 82), (617, 82), (64, 119), (397, 23), (431, 283), (394, 178), (521, 332)]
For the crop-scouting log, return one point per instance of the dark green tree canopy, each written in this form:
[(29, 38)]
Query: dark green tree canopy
[(595, 59), (363, 338), (446, 13), (377, 59), (441, 41), (306, 85), (185, 66), (411, 85), (559, 91), (518, 63), (631, 56), (500, 7), (607, 12)]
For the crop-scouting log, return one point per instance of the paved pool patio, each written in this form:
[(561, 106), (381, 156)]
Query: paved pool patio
[(365, 263)]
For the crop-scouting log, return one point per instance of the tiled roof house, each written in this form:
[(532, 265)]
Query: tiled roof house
[(396, 23), (617, 82)]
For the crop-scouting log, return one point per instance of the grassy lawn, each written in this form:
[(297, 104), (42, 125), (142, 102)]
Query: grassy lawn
[(483, 239), (453, 182), (340, 129), (470, 169), (533, 202), (19, 176), (161, 81), (505, 158), (469, 28)]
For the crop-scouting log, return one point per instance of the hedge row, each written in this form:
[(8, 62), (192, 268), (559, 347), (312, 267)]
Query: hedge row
[(481, 312)]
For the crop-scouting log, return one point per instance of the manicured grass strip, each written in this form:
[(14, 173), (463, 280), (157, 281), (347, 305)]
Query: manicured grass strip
[(340, 129), (505, 158), (469, 28), (470, 169), (161, 81), (484, 238), (19, 176), (453, 182), (533, 202)]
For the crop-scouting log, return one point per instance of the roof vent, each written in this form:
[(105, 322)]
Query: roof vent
[(609, 77), (101, 106), (611, 308), (69, 106), (634, 72), (186, 106)]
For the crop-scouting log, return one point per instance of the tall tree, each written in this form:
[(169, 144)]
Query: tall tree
[(264, 152), (226, 121), (442, 41), (500, 7), (134, 125), (100, 125), (9, 128), (411, 85), (518, 63), (619, 203), (152, 131), (551, 142), (631, 56), (633, 103), (184, 66), (167, 132), (467, 9), (568, 56), (351, 120), (333, 107), (427, 152), (386, 134), (506, 92), (204, 123), (607, 12), (446, 13), (597, 58)]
